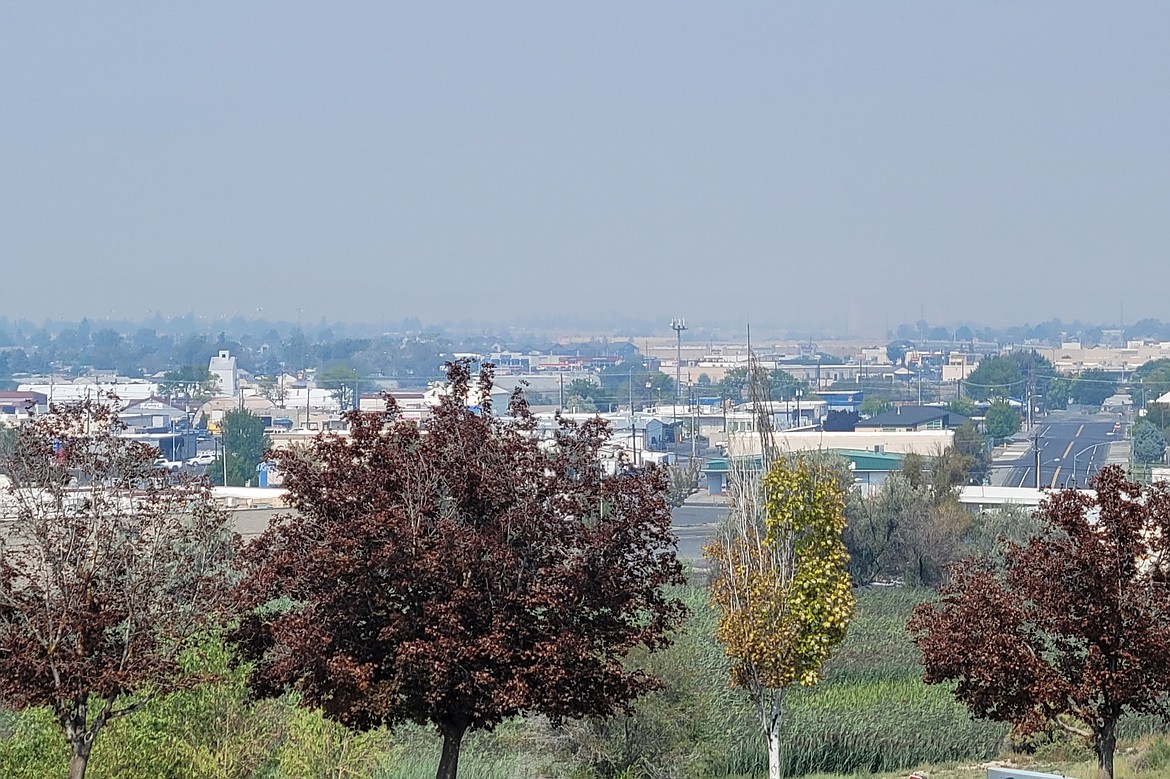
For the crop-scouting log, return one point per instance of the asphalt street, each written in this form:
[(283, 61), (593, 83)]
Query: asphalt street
[(694, 524), (1071, 448)]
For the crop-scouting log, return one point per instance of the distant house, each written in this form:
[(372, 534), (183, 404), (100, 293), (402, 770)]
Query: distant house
[(842, 400), (913, 419), (414, 405), (1117, 403), (153, 414), (213, 410)]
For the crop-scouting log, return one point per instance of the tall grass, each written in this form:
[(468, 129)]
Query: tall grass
[(872, 711)]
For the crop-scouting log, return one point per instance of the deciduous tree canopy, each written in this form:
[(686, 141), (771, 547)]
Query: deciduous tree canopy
[(1075, 624), (106, 570), (244, 443), (1092, 386), (1001, 421), (461, 575), (1149, 445), (996, 377), (781, 583)]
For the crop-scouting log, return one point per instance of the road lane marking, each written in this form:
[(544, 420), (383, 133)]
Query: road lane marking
[(1067, 450), (1055, 476), (1079, 431)]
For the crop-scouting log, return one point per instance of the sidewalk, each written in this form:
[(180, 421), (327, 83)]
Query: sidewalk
[(1118, 453), (1001, 455), (703, 498)]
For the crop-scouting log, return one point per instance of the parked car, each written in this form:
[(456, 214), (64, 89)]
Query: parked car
[(206, 458), (168, 465)]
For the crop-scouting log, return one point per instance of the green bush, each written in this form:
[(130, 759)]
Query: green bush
[(214, 731), (32, 746)]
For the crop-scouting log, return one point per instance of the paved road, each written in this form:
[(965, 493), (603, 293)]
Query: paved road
[(1070, 448), (694, 524)]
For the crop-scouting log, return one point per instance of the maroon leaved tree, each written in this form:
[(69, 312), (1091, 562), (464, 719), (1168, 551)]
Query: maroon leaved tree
[(107, 568), (461, 574), (1074, 631)]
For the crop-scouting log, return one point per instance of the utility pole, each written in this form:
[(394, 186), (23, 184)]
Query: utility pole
[(677, 325), (633, 428), (694, 420), (1028, 390)]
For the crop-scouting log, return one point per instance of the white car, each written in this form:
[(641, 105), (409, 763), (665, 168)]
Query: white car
[(207, 458), (168, 465)]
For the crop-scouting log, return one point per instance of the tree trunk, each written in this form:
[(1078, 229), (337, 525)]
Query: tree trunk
[(1105, 741), (774, 771), (79, 759), (770, 707), (449, 762)]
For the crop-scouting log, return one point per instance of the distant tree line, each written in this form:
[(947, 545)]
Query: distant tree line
[(1051, 332)]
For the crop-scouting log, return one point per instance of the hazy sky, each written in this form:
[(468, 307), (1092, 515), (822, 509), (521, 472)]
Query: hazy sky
[(816, 164)]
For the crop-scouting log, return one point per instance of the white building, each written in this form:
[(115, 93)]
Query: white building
[(923, 442), (223, 367), (126, 390)]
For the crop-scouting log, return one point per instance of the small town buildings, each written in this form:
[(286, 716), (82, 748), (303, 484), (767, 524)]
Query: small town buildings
[(870, 469), (75, 390), (213, 410)]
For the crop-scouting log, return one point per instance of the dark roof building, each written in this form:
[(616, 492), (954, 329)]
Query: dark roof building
[(912, 418)]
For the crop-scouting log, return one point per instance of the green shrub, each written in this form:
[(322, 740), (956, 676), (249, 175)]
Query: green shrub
[(32, 747)]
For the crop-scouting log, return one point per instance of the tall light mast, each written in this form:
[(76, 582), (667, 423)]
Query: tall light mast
[(677, 325)]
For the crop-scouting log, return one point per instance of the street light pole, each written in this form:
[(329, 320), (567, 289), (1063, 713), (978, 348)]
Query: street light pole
[(677, 325)]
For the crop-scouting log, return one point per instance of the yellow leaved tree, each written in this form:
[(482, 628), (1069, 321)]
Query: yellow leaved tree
[(780, 580)]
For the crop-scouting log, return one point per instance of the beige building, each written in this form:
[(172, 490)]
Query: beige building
[(1073, 358), (959, 366)]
